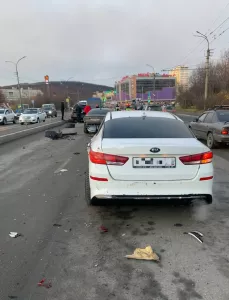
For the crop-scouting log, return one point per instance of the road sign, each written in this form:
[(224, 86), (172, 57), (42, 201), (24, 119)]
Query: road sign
[(46, 79)]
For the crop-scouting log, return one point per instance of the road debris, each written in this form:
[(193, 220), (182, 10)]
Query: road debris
[(63, 170), (87, 224), (57, 225), (70, 125), (15, 234), (103, 229), (145, 254), (46, 285), (196, 234), (178, 225), (53, 135), (76, 153), (12, 297)]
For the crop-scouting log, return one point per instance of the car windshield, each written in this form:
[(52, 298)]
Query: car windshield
[(223, 116), (169, 107), (2, 111), (30, 111), (98, 111), (142, 128)]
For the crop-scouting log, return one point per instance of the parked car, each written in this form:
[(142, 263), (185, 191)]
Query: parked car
[(6, 116), (32, 115), (147, 155), (94, 118), (212, 126), (154, 107), (74, 116), (170, 108)]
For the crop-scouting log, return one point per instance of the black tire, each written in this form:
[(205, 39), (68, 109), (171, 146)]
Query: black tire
[(4, 121), (56, 115), (85, 128), (14, 121), (211, 143), (209, 199), (22, 123), (88, 190), (38, 120), (44, 120)]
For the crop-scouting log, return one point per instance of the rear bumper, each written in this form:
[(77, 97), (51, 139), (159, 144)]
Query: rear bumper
[(221, 138), (187, 190)]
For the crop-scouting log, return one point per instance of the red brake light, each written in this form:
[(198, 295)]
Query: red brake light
[(224, 131), (107, 159), (196, 159)]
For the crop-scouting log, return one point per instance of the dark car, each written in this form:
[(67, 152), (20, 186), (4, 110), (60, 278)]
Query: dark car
[(74, 115), (50, 111), (155, 107), (212, 126), (94, 118)]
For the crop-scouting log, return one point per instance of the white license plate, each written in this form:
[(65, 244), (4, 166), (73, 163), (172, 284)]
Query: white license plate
[(154, 162)]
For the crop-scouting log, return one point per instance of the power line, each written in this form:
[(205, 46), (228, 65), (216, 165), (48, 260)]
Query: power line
[(207, 33)]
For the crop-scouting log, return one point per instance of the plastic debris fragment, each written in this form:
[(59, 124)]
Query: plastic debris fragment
[(145, 254)]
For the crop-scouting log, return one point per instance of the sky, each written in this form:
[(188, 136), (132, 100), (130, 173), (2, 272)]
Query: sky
[(100, 41)]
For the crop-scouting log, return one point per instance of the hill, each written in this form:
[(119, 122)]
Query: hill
[(56, 91)]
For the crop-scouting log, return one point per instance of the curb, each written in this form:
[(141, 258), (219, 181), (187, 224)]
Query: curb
[(26, 132)]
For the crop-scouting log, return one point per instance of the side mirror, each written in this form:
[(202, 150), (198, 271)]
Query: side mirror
[(195, 120)]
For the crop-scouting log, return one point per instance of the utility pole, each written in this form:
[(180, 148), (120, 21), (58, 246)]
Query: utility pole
[(207, 68), (18, 81)]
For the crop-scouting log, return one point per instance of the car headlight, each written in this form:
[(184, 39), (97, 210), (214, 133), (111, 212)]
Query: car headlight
[(50, 112)]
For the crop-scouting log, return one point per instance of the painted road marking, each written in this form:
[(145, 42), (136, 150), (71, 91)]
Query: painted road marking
[(62, 166)]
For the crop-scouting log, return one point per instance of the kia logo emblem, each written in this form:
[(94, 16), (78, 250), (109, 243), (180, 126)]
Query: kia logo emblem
[(155, 150)]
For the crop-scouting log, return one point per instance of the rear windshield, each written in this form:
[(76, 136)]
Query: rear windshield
[(98, 111), (140, 128), (223, 116)]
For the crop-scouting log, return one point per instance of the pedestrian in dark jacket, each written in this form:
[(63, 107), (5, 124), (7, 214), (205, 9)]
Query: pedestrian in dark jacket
[(78, 112), (62, 107)]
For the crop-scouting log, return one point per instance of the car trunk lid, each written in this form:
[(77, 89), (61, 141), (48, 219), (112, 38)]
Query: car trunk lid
[(166, 163)]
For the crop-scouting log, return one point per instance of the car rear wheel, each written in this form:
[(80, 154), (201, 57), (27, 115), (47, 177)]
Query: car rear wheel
[(85, 128), (88, 190), (4, 121), (44, 120), (211, 143), (38, 120)]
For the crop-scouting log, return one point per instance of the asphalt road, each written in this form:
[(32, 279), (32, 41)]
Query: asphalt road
[(11, 128), (79, 261)]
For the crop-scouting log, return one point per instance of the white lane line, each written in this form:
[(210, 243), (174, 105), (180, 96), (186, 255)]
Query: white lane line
[(62, 166), (9, 134)]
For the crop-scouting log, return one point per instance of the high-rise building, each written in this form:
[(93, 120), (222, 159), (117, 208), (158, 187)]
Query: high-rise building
[(182, 76)]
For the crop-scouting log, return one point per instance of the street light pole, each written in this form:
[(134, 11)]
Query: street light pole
[(18, 81), (154, 79), (207, 68), (67, 83)]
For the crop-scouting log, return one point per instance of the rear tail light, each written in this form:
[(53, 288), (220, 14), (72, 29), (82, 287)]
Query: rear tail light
[(107, 159), (196, 159), (224, 131)]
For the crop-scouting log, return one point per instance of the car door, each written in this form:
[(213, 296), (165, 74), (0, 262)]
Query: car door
[(7, 113), (41, 116), (207, 124), (198, 127)]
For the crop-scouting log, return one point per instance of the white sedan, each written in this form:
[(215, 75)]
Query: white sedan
[(147, 155), (32, 115), (7, 115)]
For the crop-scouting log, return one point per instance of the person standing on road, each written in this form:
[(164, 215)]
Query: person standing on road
[(62, 107), (78, 112), (87, 109)]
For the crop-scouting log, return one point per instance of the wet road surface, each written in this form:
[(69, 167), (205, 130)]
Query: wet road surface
[(79, 261)]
